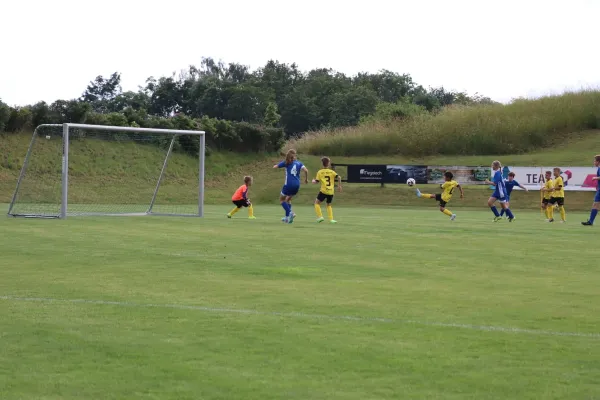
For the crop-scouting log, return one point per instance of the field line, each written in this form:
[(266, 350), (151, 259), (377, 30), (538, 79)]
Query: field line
[(220, 310)]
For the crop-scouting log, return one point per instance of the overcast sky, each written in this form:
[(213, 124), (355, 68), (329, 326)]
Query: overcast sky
[(502, 49)]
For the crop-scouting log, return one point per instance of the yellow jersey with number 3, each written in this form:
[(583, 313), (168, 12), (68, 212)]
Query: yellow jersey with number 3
[(448, 187), (327, 178), (549, 185), (559, 187)]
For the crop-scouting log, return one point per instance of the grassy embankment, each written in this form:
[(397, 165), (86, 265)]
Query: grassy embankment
[(550, 131), (520, 127)]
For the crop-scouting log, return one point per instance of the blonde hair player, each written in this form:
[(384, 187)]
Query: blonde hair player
[(292, 183), (499, 193)]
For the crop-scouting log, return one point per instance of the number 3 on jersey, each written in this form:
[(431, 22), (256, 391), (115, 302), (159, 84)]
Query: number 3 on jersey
[(328, 181)]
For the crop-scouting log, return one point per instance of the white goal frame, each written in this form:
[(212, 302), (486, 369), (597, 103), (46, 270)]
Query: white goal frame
[(65, 168)]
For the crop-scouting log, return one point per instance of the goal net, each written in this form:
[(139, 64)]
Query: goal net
[(78, 169)]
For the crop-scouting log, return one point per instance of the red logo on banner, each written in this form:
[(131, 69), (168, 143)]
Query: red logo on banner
[(589, 181)]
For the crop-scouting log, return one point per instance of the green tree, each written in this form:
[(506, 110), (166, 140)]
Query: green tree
[(4, 115), (70, 111), (272, 116), (20, 119), (244, 103), (40, 114), (101, 91), (389, 86), (349, 106)]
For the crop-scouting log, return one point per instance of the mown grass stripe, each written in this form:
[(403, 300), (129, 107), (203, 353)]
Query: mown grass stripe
[(225, 310)]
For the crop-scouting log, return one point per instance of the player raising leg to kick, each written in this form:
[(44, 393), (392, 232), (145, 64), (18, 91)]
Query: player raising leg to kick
[(292, 183), (326, 177), (499, 193), (448, 188), (596, 205), (240, 199)]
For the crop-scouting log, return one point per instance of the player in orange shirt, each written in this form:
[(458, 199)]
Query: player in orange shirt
[(240, 199)]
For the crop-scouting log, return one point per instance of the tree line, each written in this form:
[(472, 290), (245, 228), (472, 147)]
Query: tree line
[(241, 109)]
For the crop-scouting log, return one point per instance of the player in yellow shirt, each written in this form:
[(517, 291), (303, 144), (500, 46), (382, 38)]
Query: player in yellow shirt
[(327, 178), (547, 190), (448, 188), (558, 195)]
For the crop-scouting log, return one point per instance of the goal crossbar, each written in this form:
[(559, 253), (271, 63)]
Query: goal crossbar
[(64, 200)]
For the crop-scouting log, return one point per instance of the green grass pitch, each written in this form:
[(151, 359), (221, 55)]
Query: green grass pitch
[(390, 303)]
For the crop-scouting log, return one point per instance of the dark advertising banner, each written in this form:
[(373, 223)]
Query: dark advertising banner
[(463, 175), (400, 173), (366, 173)]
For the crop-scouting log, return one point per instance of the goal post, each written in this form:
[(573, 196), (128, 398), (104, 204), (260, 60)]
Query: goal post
[(81, 169)]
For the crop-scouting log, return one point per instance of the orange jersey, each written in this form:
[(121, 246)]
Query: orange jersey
[(240, 194)]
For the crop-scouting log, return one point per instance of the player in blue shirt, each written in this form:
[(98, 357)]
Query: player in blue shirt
[(596, 205), (292, 183), (499, 193), (510, 184)]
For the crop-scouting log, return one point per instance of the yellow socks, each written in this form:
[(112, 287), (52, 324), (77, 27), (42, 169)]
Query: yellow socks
[(250, 211), (550, 212), (232, 212), (318, 211), (427, 196), (447, 212), (329, 212), (563, 213)]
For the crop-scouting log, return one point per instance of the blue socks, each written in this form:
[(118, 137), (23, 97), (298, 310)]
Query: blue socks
[(506, 211), (509, 213), (593, 215), (286, 207)]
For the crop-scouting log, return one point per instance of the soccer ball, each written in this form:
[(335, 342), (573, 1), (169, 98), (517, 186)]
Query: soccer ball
[(410, 182)]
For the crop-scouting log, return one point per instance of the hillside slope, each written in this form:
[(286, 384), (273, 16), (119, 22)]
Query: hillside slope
[(101, 169), (522, 126)]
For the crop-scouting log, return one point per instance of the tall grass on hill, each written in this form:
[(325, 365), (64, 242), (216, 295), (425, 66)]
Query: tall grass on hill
[(521, 126)]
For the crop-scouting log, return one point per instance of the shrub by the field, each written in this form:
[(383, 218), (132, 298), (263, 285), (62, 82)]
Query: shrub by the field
[(520, 126)]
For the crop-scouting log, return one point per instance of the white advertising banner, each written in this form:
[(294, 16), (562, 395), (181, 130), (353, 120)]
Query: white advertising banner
[(575, 178)]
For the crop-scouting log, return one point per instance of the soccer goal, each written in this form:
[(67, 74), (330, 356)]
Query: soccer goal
[(79, 169)]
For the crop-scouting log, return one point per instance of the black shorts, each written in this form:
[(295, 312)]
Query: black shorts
[(322, 197), (559, 200), (438, 197), (241, 203), (545, 201)]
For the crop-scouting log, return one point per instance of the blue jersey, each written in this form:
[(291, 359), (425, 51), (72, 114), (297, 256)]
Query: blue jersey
[(292, 173), (510, 185), (500, 191), (597, 196)]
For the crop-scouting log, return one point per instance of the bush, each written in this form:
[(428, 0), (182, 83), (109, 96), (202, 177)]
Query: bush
[(220, 134), (20, 119), (276, 139), (4, 115), (116, 119), (388, 112), (251, 137), (40, 114)]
